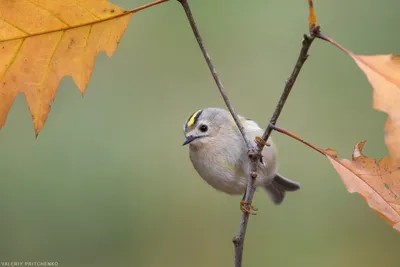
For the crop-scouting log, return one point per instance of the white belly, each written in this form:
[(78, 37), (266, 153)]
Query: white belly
[(223, 176)]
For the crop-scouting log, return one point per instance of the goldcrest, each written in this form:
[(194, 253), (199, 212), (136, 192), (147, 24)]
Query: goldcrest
[(219, 154)]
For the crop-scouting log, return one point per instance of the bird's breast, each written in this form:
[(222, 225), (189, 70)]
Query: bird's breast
[(217, 171)]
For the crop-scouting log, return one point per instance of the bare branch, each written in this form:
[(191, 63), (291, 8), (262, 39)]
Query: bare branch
[(214, 73), (306, 44), (239, 239), (253, 154)]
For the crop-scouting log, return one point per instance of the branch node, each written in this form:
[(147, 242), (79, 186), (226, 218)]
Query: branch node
[(272, 126), (306, 38), (315, 30), (236, 240)]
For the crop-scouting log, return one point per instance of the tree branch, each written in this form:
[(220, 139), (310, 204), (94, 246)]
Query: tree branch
[(306, 44), (213, 71), (307, 41), (254, 153)]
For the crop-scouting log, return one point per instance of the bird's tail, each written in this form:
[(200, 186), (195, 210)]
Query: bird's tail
[(277, 189)]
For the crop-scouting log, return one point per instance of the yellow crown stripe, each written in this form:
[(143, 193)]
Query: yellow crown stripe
[(192, 119)]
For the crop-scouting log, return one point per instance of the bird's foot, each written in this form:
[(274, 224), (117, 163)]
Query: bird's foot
[(250, 209), (259, 141)]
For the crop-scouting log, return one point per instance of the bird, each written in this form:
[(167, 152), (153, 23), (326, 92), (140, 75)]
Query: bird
[(218, 153)]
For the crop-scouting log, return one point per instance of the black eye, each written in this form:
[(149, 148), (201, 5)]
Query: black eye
[(203, 128)]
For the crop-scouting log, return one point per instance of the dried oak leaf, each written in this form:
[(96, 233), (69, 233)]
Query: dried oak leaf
[(42, 41), (378, 183), (383, 73)]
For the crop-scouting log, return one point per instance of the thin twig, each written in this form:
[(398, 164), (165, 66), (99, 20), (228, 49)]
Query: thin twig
[(307, 41), (239, 239), (306, 44), (253, 154), (214, 73)]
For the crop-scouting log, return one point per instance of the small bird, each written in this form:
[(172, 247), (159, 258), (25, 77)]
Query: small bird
[(219, 154)]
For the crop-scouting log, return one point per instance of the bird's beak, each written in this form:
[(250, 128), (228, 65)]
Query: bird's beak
[(188, 139)]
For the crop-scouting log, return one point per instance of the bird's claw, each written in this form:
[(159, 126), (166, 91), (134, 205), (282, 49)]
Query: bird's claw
[(250, 209), (259, 141)]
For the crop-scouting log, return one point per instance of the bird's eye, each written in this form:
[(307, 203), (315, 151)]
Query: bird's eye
[(203, 128)]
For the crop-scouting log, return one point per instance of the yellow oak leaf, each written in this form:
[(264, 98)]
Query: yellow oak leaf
[(41, 41)]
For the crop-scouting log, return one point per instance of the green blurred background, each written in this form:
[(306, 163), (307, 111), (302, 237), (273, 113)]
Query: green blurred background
[(107, 182)]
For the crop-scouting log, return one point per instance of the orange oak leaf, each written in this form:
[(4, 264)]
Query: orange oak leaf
[(383, 73), (378, 183), (42, 41)]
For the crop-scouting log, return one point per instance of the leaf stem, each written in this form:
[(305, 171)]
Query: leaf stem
[(330, 40), (292, 135)]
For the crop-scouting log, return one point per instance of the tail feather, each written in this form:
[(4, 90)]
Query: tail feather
[(286, 183), (276, 190)]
